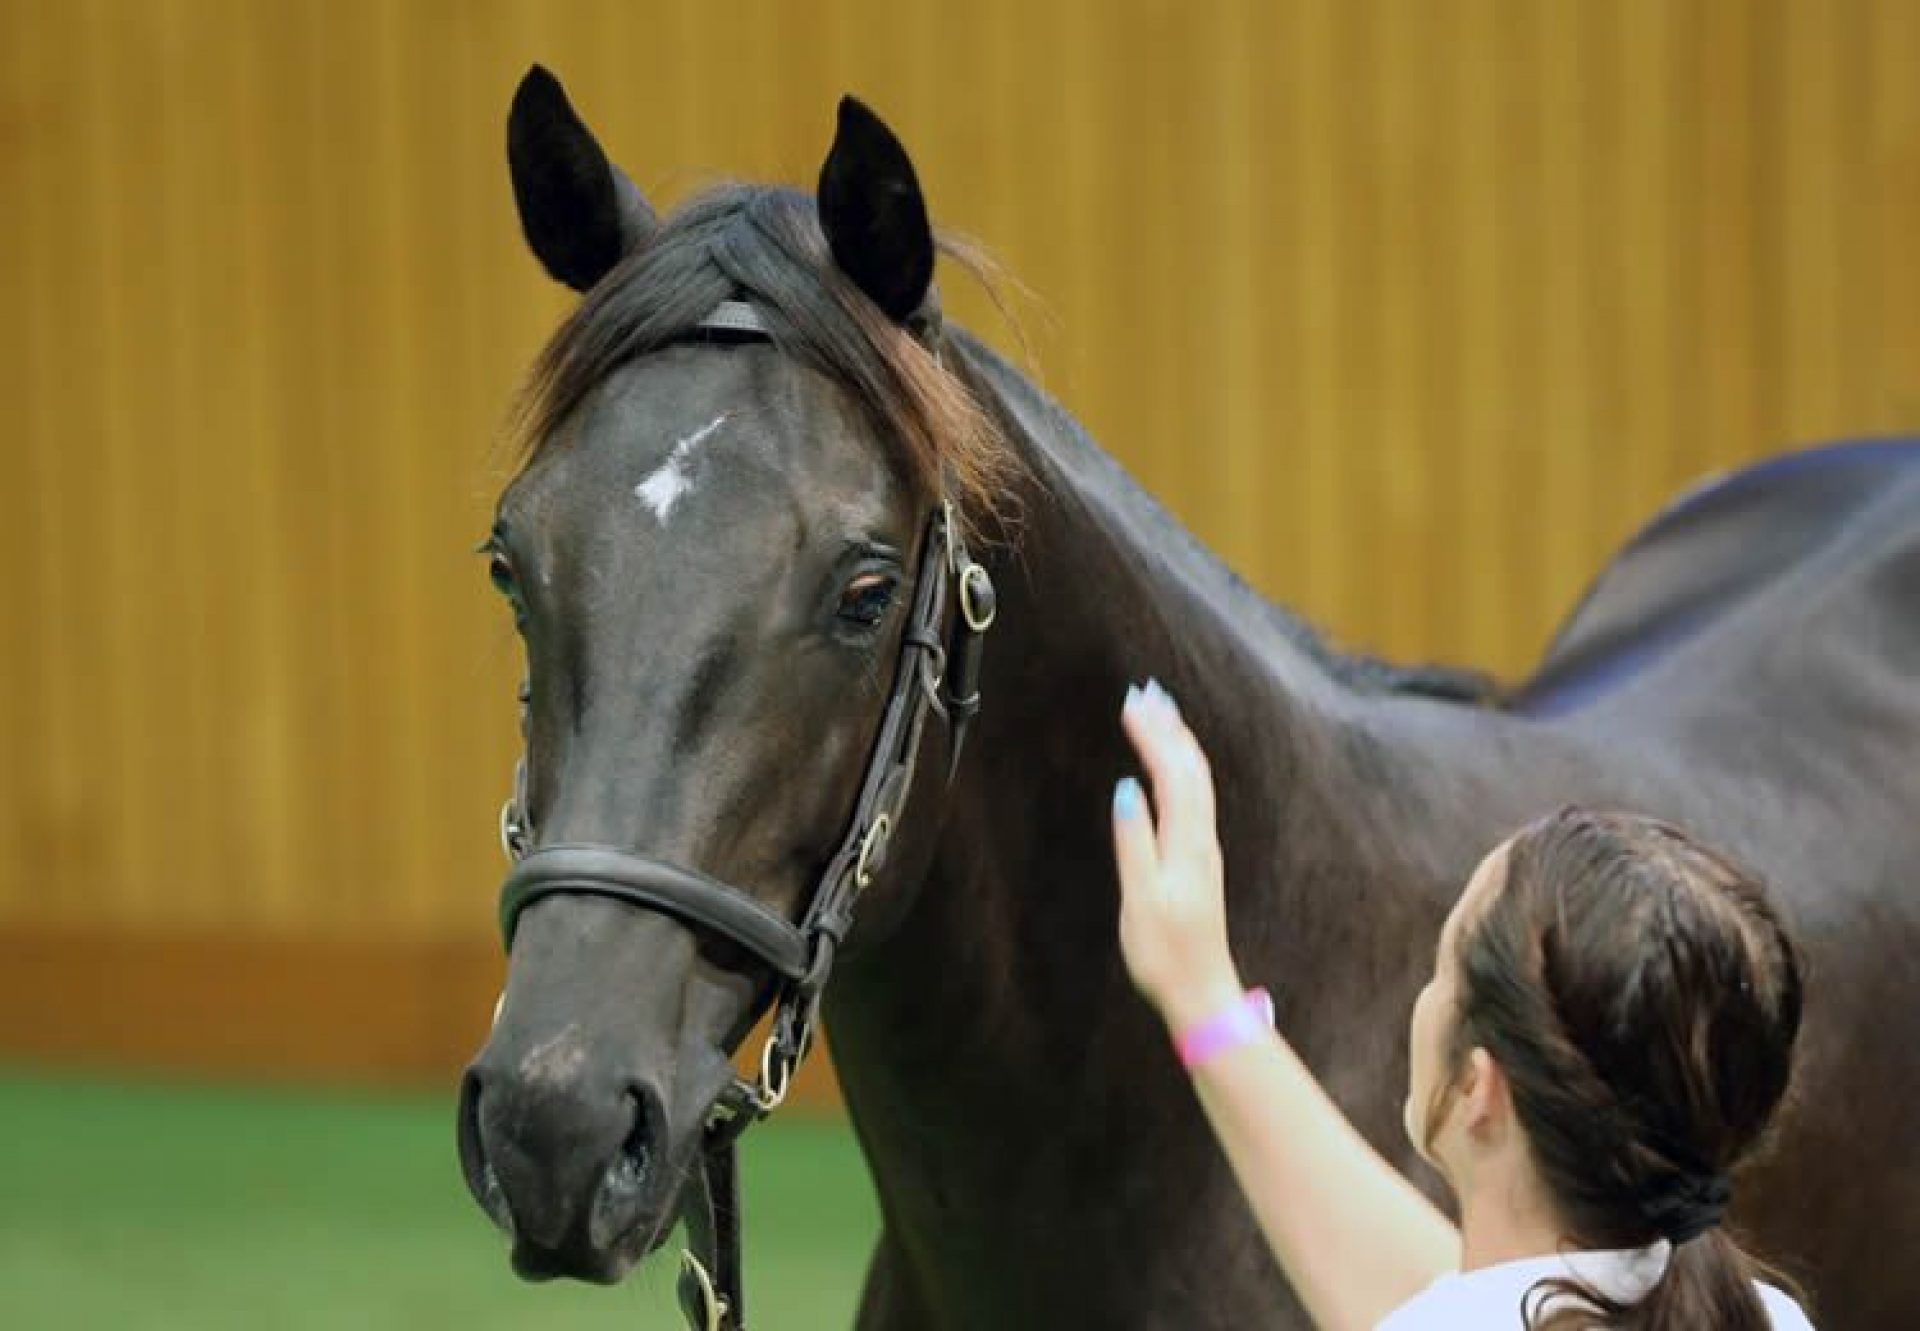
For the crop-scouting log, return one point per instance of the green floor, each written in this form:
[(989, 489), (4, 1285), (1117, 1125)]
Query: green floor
[(130, 1206)]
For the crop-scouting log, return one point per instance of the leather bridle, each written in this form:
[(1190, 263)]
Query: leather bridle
[(938, 672)]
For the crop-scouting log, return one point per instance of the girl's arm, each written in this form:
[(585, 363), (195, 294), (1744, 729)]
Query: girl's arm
[(1355, 1238)]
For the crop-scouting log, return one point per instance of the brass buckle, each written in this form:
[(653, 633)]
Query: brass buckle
[(862, 872)]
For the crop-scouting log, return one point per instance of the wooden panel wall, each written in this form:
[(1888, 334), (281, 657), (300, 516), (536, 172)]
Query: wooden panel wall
[(1411, 309)]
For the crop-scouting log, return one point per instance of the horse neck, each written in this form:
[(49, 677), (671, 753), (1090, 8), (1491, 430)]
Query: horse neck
[(1000, 994)]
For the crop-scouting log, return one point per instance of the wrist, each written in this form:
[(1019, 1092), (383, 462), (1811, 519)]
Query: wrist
[(1190, 1004), (1245, 1019)]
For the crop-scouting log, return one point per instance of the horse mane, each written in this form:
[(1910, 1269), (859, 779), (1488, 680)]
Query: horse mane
[(1358, 671), (1091, 464), (764, 244)]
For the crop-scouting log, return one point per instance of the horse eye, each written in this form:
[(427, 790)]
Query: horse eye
[(500, 573), (867, 599)]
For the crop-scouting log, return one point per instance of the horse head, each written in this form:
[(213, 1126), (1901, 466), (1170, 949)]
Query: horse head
[(741, 444)]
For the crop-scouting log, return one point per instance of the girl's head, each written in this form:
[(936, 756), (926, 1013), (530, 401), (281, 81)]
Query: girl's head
[(1616, 1005)]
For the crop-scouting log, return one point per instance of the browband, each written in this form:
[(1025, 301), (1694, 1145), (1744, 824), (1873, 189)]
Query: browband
[(735, 316)]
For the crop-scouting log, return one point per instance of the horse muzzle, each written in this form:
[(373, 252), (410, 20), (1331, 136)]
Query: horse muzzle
[(573, 1171)]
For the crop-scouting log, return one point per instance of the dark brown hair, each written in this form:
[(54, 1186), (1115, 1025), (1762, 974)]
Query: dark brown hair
[(764, 244), (1642, 996)]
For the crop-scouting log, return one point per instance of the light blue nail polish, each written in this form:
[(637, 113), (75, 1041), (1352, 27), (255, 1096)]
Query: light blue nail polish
[(1126, 798), (1157, 692)]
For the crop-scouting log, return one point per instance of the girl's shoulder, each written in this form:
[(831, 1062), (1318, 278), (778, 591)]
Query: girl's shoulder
[(1785, 1314), (1495, 1296)]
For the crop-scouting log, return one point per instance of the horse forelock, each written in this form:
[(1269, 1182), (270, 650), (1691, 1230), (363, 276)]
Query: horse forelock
[(764, 245)]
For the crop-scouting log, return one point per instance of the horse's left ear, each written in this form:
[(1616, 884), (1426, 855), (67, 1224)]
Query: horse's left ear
[(874, 215)]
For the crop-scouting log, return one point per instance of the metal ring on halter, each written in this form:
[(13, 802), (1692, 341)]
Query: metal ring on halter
[(862, 874), (772, 1093), (512, 835), (973, 578), (713, 1307)]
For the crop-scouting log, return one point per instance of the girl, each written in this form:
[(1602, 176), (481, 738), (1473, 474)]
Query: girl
[(1608, 1031)]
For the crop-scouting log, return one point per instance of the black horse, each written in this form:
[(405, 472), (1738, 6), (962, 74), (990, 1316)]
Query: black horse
[(712, 555)]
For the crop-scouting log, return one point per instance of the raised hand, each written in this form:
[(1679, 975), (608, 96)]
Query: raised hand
[(1173, 925)]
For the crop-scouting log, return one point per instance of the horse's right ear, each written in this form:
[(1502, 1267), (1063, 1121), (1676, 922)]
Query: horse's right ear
[(580, 213)]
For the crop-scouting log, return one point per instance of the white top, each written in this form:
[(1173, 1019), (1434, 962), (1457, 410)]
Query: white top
[(1490, 1297)]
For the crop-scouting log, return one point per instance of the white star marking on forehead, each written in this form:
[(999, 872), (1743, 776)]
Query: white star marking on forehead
[(669, 482)]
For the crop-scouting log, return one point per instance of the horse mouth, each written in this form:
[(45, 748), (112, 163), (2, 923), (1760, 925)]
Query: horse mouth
[(623, 1218), (597, 1266), (602, 1258)]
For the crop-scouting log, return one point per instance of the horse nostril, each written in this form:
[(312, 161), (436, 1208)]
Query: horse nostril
[(627, 1171), (481, 1179), (637, 1146), (625, 1183)]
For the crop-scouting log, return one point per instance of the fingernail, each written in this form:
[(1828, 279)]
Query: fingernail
[(1126, 798), (1133, 697), (1161, 696)]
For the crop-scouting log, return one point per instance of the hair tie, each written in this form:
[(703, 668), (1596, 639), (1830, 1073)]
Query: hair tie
[(1697, 1204)]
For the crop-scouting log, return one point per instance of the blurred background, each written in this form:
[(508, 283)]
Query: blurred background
[(1413, 311)]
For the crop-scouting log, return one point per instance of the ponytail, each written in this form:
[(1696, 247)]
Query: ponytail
[(1708, 1282)]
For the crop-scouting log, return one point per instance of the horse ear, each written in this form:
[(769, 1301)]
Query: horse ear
[(580, 213), (873, 214)]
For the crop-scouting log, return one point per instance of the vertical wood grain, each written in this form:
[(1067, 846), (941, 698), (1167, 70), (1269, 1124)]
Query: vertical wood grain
[(1413, 312)]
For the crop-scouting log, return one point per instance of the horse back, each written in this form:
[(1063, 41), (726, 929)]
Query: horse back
[(1827, 535), (1756, 653)]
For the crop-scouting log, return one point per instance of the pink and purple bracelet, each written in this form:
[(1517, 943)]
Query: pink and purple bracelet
[(1242, 1023)]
